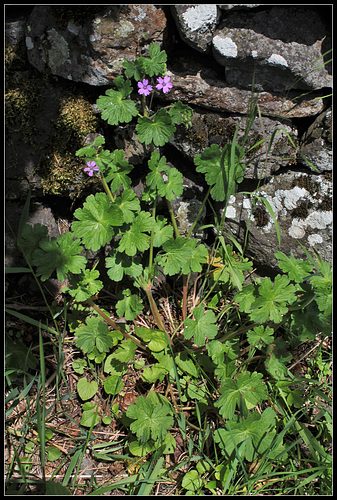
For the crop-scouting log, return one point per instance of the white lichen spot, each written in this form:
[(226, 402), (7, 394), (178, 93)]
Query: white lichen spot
[(225, 46), (94, 37), (315, 239), (289, 198), (230, 212), (319, 220), (29, 43), (277, 60), (125, 29), (197, 16), (246, 203), (141, 12), (182, 216), (116, 65), (267, 228), (254, 53), (296, 229)]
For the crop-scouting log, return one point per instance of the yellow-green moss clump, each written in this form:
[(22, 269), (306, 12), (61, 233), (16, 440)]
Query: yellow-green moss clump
[(59, 167), (75, 119), (22, 93), (62, 168)]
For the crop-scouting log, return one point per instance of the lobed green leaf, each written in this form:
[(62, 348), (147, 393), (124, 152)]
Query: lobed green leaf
[(116, 109), (60, 254), (157, 129), (203, 325), (96, 221)]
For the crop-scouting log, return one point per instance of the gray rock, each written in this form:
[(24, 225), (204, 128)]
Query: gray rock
[(211, 128), (197, 85), (38, 214), (281, 41), (15, 31), (302, 206), (92, 52), (134, 151), (196, 24), (317, 142), (284, 45), (188, 207)]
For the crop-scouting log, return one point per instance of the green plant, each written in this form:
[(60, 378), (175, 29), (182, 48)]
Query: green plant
[(227, 356)]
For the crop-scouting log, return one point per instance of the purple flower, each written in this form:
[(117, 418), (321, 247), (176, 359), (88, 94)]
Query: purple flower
[(164, 84), (91, 167), (144, 87)]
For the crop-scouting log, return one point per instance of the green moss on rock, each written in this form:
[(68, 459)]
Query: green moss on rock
[(61, 171)]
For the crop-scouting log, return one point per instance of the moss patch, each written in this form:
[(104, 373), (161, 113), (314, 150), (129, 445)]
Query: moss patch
[(58, 138), (302, 210), (305, 182), (261, 216), (22, 93), (74, 121)]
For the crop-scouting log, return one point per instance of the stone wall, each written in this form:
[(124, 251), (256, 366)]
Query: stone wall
[(59, 60)]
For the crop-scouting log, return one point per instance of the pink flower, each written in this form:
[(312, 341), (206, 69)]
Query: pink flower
[(164, 84), (144, 87), (91, 168)]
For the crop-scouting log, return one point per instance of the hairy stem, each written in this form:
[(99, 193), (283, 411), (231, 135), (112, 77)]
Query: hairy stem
[(174, 222), (186, 278), (107, 190), (155, 311), (151, 243), (114, 325)]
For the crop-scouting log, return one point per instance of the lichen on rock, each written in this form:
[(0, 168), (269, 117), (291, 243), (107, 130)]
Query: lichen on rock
[(58, 53)]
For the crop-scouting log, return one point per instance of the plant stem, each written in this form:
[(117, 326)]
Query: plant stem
[(151, 244), (200, 211), (186, 278), (238, 332), (144, 105), (107, 190), (155, 311), (174, 222), (114, 325)]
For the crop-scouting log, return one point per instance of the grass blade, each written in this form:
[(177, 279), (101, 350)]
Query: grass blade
[(31, 321), (149, 480), (41, 417)]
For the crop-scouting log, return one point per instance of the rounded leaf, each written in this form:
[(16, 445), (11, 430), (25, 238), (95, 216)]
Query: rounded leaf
[(86, 390)]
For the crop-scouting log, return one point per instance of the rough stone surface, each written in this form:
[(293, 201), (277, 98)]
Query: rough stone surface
[(199, 86), (134, 151), (15, 31), (39, 214), (317, 142), (212, 128), (196, 24), (302, 207), (92, 52), (283, 48)]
